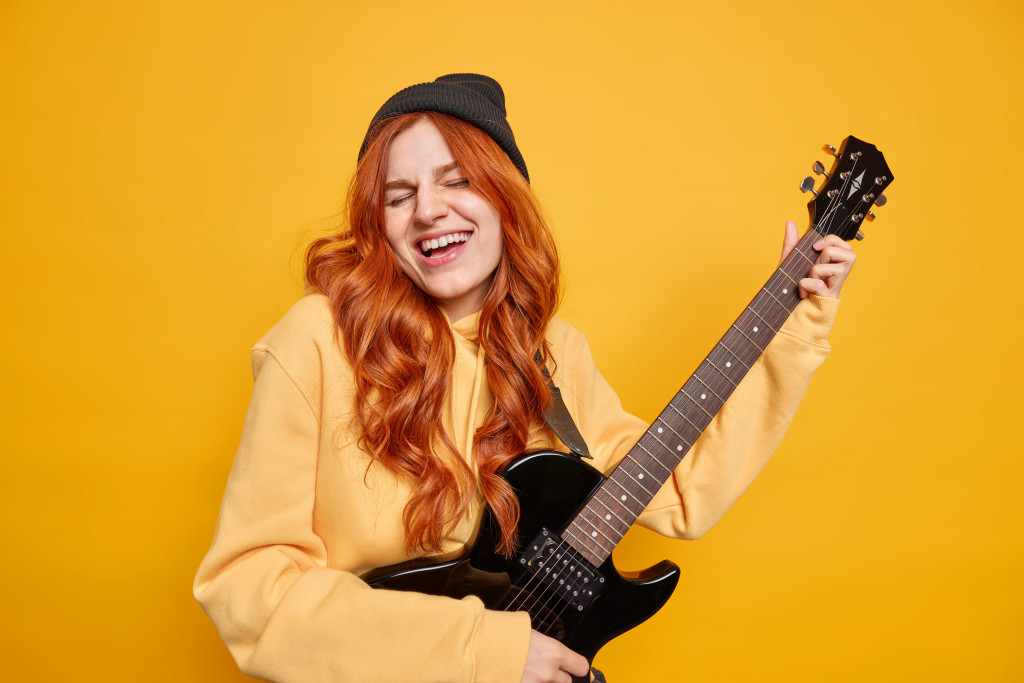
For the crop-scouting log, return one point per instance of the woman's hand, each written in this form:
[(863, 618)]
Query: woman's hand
[(835, 260), (551, 662)]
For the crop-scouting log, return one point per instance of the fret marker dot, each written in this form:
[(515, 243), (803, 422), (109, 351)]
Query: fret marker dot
[(679, 448), (703, 396), (755, 329), (640, 476), (594, 534), (623, 498), (660, 430), (728, 365), (607, 516), (785, 291)]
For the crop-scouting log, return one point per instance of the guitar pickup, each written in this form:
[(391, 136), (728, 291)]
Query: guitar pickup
[(562, 570)]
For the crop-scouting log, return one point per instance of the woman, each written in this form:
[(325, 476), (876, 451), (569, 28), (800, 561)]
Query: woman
[(387, 402)]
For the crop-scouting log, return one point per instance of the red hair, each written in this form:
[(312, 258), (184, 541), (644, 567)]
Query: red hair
[(402, 350)]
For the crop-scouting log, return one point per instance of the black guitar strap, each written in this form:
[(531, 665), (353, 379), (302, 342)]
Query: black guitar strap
[(558, 418)]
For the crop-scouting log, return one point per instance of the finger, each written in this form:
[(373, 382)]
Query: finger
[(836, 255), (827, 271), (810, 285), (831, 241), (575, 664), (789, 239)]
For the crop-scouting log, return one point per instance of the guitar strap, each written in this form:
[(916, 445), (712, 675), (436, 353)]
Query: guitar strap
[(558, 418)]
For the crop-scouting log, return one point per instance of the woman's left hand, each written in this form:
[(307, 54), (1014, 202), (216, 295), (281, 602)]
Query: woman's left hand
[(835, 260)]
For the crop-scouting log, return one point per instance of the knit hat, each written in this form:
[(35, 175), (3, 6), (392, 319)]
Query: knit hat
[(476, 99)]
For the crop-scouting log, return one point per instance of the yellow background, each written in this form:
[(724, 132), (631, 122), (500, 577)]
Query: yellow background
[(163, 164)]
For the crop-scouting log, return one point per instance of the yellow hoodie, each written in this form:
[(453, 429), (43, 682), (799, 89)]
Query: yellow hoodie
[(305, 513)]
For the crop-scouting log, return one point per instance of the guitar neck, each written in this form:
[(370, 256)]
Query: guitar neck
[(611, 511)]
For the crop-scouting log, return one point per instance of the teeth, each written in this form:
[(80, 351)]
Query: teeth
[(443, 241)]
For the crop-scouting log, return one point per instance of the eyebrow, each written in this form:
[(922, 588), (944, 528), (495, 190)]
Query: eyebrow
[(402, 183)]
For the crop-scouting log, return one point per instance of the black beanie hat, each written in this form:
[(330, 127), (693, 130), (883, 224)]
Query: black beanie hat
[(475, 99)]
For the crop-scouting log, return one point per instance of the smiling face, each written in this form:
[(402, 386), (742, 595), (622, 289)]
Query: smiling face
[(447, 238)]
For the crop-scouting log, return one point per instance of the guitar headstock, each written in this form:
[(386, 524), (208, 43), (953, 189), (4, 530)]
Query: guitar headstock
[(853, 186)]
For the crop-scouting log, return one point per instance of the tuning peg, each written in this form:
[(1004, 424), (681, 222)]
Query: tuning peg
[(859, 235), (831, 150), (808, 184), (881, 200), (820, 169), (870, 216)]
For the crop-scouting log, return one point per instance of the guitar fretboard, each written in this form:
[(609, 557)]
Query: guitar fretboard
[(611, 511)]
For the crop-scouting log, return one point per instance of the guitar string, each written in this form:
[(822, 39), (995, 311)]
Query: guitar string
[(630, 472), (577, 581), (517, 601), (552, 590), (666, 421), (529, 589), (753, 309), (538, 576), (544, 598)]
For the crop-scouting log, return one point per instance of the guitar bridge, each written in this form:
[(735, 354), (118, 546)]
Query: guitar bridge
[(562, 570)]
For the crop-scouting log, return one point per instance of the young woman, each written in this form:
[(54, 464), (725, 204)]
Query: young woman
[(389, 399)]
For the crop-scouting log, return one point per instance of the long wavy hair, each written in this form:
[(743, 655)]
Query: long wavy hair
[(402, 350)]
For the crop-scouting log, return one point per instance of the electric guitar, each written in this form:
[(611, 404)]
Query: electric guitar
[(572, 516)]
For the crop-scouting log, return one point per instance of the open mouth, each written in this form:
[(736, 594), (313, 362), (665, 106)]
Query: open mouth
[(433, 248)]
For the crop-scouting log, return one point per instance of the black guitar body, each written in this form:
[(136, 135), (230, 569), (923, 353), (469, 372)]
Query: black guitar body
[(551, 488)]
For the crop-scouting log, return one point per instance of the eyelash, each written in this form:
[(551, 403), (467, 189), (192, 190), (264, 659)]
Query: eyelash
[(397, 201), (454, 185)]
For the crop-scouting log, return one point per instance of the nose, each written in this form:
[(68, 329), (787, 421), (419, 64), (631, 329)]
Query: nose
[(430, 205)]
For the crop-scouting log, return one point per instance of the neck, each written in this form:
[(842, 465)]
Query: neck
[(611, 511)]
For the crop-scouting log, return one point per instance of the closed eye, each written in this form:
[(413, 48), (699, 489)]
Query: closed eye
[(395, 202), (398, 201)]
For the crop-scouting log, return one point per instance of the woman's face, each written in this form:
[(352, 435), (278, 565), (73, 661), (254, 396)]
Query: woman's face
[(446, 237)]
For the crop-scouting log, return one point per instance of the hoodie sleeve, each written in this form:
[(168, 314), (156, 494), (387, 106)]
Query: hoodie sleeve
[(737, 444), (267, 584)]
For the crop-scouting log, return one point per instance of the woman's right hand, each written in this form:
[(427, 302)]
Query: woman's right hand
[(551, 662)]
